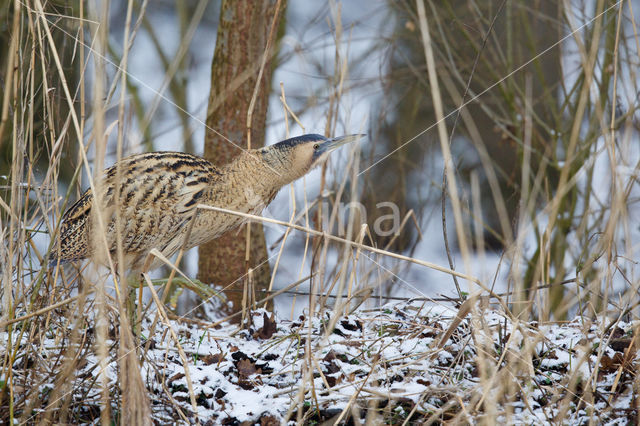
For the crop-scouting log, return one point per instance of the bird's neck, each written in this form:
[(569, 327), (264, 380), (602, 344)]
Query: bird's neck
[(278, 165), (258, 177)]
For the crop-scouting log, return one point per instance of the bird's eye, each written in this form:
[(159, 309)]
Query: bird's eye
[(316, 146)]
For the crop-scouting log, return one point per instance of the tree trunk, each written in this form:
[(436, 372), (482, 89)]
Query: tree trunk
[(242, 38)]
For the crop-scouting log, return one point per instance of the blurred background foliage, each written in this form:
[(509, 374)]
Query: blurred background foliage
[(49, 110), (515, 139), (478, 45)]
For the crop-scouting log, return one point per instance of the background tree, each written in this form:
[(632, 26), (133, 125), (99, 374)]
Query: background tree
[(243, 36)]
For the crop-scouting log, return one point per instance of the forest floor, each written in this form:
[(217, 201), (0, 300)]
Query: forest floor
[(385, 365)]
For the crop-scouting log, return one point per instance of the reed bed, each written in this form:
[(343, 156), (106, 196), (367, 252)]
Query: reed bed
[(555, 341)]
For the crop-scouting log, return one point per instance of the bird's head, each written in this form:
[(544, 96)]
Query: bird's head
[(303, 153)]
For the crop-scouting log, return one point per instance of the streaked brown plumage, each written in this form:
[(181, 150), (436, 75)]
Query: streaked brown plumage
[(159, 192)]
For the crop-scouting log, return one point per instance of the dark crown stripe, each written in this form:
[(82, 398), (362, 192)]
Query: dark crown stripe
[(289, 143)]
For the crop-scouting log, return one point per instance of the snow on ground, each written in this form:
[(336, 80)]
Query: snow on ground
[(380, 364)]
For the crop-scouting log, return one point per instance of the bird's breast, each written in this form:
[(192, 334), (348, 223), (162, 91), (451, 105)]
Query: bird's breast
[(211, 224)]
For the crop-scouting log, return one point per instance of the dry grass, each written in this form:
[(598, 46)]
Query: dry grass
[(70, 354)]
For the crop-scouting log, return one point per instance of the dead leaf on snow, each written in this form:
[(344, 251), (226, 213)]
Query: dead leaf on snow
[(212, 359), (247, 367), (269, 327)]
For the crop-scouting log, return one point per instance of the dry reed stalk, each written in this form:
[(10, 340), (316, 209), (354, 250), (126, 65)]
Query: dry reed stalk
[(252, 103), (345, 241), (442, 133), (287, 111), (183, 356), (339, 72), (135, 405)]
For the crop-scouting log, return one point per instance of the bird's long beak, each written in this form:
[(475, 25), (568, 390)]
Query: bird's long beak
[(337, 142)]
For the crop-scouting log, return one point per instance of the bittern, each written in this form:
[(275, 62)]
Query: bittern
[(159, 193)]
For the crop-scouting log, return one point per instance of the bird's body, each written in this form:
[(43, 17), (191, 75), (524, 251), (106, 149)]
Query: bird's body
[(159, 193)]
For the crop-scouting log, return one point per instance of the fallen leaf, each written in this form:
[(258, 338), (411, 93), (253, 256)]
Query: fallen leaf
[(212, 359), (269, 420), (175, 377), (247, 367), (269, 327)]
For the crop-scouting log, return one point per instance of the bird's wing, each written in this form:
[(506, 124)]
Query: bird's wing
[(158, 195)]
